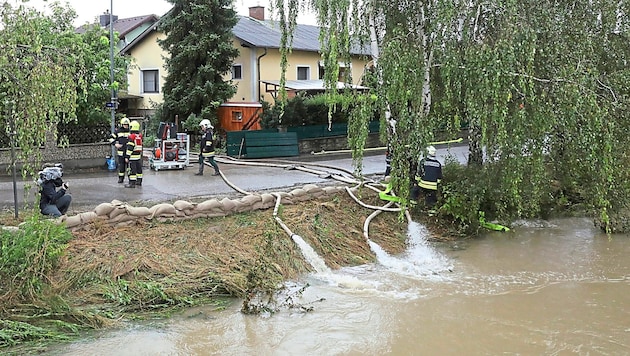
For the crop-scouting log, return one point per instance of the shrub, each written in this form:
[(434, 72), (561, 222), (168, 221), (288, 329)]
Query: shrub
[(28, 254), (303, 110)]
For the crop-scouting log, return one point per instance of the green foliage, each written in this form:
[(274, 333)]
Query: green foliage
[(13, 333), (543, 88), (38, 63), (141, 294), (263, 279), (192, 123), (28, 254), (302, 110), (199, 43), (93, 53)]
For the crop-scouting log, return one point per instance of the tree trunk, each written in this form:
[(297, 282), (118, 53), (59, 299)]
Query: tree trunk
[(475, 153)]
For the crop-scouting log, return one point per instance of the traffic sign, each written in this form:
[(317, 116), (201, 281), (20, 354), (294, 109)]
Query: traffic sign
[(110, 105)]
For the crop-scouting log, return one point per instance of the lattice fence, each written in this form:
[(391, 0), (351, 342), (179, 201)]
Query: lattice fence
[(76, 134)]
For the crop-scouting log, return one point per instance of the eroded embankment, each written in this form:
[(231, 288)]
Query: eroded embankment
[(114, 269)]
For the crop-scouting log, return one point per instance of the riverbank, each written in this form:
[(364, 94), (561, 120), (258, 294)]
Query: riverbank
[(109, 275)]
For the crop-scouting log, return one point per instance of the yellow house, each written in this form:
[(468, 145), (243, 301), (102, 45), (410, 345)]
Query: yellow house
[(255, 72)]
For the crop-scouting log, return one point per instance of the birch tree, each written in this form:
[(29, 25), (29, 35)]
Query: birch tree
[(541, 86), (37, 82)]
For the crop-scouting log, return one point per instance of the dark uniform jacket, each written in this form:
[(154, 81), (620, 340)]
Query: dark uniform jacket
[(121, 136), (49, 192), (429, 173), (207, 144)]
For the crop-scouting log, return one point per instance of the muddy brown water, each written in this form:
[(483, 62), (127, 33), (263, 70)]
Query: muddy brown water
[(546, 288)]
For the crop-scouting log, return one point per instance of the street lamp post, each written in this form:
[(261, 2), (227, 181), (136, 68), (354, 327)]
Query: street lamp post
[(113, 101)]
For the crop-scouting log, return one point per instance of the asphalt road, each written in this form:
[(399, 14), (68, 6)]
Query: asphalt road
[(88, 190)]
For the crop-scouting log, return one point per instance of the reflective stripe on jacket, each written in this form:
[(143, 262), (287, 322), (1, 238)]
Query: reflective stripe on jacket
[(430, 173), (121, 137), (134, 147), (207, 144)]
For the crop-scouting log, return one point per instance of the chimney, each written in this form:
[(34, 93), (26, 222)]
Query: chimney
[(257, 12), (103, 19)]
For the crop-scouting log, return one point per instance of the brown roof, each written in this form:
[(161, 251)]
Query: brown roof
[(124, 26)]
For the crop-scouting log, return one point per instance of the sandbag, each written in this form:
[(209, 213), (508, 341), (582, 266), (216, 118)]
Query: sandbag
[(228, 205), (73, 221), (298, 192), (309, 188), (139, 211), (123, 218), (209, 205), (183, 205), (268, 198), (118, 210), (251, 199), (104, 209), (162, 209), (87, 217)]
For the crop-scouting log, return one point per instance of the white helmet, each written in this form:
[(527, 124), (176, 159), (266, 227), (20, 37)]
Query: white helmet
[(431, 151), (205, 123)]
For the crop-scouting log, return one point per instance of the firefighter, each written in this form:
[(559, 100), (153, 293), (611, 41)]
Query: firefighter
[(119, 139), (206, 146), (134, 155), (429, 176)]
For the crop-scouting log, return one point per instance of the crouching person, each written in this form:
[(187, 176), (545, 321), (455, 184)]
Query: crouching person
[(54, 200)]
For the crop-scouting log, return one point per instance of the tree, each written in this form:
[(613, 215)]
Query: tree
[(93, 54), (199, 42), (542, 86), (38, 63)]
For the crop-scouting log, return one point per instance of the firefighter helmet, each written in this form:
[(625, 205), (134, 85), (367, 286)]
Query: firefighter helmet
[(205, 123), (431, 151), (124, 121), (134, 126)]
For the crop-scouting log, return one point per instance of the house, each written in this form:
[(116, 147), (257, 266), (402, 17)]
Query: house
[(128, 30), (256, 70)]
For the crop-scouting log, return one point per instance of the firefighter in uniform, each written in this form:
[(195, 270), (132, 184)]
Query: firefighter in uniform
[(134, 155), (119, 139), (206, 146), (429, 176)]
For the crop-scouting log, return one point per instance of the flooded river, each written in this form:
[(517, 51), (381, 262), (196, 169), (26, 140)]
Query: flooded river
[(549, 288)]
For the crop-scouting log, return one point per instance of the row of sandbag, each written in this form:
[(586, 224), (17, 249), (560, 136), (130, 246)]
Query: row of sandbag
[(118, 213)]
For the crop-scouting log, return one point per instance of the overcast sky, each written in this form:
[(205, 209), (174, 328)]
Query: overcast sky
[(89, 10)]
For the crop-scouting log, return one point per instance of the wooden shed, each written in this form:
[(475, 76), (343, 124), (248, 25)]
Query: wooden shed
[(240, 116)]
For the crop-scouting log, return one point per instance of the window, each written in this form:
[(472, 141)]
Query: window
[(237, 116), (237, 71), (150, 81), (303, 73), (344, 71)]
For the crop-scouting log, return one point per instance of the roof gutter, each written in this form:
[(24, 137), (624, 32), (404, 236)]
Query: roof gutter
[(258, 74)]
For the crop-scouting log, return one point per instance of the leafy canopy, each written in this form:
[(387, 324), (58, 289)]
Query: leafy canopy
[(38, 62), (201, 52), (543, 87)]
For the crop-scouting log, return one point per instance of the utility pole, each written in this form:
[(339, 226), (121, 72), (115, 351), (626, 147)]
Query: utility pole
[(114, 101)]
